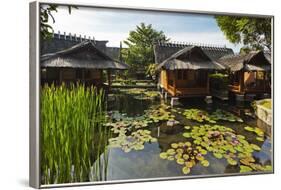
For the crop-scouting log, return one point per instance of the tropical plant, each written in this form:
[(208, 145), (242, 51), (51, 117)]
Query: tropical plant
[(151, 70), (140, 46)]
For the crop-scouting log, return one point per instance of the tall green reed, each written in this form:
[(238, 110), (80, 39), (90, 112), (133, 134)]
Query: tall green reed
[(72, 134)]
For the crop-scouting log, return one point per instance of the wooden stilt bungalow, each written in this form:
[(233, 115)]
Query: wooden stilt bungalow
[(185, 73), (249, 74), (83, 62)]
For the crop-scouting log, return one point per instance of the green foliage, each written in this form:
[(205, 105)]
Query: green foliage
[(139, 53), (254, 33), (218, 76), (72, 134), (46, 13), (151, 70), (219, 81)]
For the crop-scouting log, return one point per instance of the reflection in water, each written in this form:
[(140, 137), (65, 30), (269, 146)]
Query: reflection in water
[(146, 163)]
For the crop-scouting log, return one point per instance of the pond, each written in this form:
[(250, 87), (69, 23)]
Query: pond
[(152, 140)]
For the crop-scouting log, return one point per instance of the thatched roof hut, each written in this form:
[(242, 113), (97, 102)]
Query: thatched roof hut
[(253, 61), (185, 73), (249, 73), (83, 55), (163, 50), (192, 58)]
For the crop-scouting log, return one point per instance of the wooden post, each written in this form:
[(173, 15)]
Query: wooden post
[(208, 81), (109, 78), (175, 82), (60, 76), (166, 73), (241, 81), (83, 76), (264, 81)]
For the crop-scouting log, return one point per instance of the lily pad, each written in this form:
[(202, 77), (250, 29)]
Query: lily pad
[(180, 161), (186, 170), (135, 141), (163, 155), (248, 128), (255, 147), (170, 158), (185, 154), (174, 145), (232, 161), (187, 127), (268, 168), (260, 139), (187, 135), (205, 163), (189, 164), (259, 132), (224, 142), (171, 151), (244, 169), (218, 155)]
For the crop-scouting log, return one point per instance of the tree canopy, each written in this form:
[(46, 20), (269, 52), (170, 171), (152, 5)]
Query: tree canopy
[(254, 33), (139, 53)]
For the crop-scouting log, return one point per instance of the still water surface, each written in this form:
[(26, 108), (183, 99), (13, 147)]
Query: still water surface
[(146, 163)]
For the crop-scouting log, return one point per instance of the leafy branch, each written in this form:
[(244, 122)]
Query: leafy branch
[(46, 14)]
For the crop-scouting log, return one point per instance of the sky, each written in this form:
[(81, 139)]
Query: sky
[(114, 25)]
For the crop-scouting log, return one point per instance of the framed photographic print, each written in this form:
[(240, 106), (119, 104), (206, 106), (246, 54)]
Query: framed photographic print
[(126, 94)]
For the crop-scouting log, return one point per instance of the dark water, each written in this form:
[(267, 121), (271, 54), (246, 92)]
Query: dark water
[(146, 163)]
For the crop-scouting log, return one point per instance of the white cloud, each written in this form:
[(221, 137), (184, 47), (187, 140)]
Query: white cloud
[(108, 25)]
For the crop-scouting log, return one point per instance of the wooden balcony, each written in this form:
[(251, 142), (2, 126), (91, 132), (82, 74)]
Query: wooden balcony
[(188, 92), (261, 88)]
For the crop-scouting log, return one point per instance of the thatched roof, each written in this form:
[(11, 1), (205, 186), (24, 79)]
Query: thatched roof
[(253, 61), (163, 50), (267, 55), (82, 55), (64, 41), (192, 58)]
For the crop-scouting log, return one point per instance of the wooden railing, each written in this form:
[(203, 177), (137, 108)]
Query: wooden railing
[(234, 88), (192, 91), (203, 91), (247, 89)]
